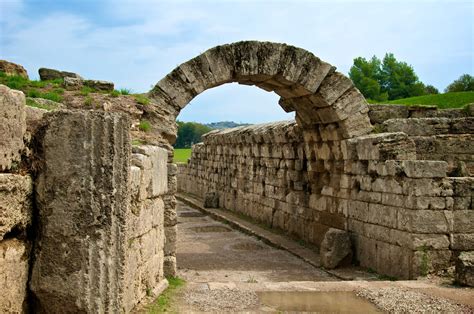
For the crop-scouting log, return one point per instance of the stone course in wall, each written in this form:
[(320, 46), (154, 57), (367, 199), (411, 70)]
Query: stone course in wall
[(406, 216)]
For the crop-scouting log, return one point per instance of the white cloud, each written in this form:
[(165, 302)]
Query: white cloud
[(141, 41)]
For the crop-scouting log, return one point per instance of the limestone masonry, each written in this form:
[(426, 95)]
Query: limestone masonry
[(87, 199)]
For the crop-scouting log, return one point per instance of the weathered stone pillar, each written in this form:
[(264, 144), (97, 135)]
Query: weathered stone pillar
[(82, 197)]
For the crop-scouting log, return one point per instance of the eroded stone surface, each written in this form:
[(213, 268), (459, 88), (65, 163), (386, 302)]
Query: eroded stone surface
[(14, 265), (10, 68), (52, 74), (465, 268), (335, 248), (12, 127), (82, 199), (15, 203)]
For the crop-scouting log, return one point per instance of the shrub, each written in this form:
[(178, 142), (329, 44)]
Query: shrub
[(88, 101), (144, 126)]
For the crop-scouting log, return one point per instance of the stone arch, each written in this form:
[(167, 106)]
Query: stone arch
[(307, 85)]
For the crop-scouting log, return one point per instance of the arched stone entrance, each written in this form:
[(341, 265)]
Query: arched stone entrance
[(305, 84), (328, 110)]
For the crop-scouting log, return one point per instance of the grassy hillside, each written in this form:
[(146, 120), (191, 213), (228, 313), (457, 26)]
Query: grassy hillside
[(182, 154), (443, 101)]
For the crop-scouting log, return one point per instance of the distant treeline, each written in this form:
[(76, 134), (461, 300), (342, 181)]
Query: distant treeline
[(189, 133), (390, 79)]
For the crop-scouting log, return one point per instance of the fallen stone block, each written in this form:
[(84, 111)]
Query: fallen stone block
[(100, 85), (335, 249), (52, 74), (465, 268), (211, 200)]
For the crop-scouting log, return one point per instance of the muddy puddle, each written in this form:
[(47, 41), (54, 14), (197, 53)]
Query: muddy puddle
[(316, 302), (206, 229)]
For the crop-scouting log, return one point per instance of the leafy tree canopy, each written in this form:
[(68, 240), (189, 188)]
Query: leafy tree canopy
[(189, 133), (385, 80), (463, 84)]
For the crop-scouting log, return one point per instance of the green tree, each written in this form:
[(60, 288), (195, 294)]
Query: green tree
[(366, 76), (463, 84), (189, 133), (398, 79), (387, 79), (430, 89)]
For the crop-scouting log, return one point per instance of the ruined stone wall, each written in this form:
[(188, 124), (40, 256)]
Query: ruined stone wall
[(82, 223), (406, 216), (145, 225), (15, 204)]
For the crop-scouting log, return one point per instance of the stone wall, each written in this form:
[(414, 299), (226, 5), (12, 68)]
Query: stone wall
[(81, 211), (407, 217), (15, 204), (145, 225)]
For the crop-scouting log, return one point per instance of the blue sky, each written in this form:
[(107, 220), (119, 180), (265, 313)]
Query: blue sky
[(134, 43)]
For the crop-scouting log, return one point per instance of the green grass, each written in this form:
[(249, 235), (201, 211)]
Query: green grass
[(86, 90), (125, 91), (181, 154), (31, 103), (142, 100), (442, 101), (30, 88), (164, 301), (144, 126)]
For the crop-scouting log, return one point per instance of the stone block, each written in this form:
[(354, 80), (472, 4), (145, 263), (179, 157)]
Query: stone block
[(462, 241), (14, 256), (12, 127), (335, 249), (15, 203), (425, 168), (82, 196), (52, 74), (427, 261), (153, 161), (423, 221), (10, 68), (465, 269)]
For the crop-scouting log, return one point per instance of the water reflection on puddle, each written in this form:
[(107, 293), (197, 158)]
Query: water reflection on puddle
[(316, 301)]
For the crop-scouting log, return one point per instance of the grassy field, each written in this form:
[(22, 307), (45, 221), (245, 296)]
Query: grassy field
[(443, 101), (182, 154)]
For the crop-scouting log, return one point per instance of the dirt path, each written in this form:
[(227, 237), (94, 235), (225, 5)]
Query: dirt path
[(228, 271)]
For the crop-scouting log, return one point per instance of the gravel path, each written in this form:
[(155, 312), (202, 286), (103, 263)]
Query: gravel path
[(221, 299), (399, 300)]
